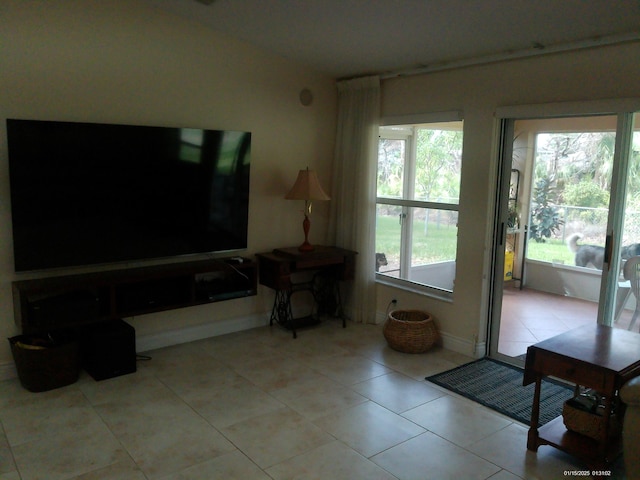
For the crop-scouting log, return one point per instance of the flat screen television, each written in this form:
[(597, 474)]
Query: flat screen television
[(88, 193)]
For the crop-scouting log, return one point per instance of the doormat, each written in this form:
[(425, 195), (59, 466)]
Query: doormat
[(498, 386)]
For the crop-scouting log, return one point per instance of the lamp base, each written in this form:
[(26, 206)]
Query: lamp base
[(306, 226)]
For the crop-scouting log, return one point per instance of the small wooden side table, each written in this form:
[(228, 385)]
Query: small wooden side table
[(595, 356), (330, 264)]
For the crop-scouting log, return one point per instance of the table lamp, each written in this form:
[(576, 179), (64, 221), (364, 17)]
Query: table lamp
[(307, 188)]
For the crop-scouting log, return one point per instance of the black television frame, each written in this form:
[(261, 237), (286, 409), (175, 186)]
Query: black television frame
[(87, 194)]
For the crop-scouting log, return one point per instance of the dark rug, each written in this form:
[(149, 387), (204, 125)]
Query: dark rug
[(498, 386)]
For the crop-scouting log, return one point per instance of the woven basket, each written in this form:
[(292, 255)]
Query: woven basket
[(45, 368), (588, 423), (410, 331)]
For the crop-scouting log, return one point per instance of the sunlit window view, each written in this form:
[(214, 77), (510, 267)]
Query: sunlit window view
[(418, 191), (570, 196)]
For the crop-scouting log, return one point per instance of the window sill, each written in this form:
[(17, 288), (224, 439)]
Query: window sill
[(417, 288)]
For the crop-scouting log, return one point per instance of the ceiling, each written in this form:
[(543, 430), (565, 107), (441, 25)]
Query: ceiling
[(348, 38)]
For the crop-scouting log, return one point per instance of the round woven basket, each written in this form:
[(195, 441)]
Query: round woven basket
[(410, 331)]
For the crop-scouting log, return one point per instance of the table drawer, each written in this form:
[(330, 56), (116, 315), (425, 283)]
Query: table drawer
[(573, 371)]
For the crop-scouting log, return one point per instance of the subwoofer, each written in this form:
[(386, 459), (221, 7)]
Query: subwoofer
[(108, 349)]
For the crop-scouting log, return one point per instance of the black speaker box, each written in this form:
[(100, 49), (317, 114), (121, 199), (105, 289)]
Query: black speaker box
[(108, 349)]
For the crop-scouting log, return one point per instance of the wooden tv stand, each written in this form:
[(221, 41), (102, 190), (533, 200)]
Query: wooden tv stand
[(48, 304)]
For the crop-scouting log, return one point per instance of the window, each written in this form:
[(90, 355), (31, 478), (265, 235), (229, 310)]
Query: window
[(418, 191), (572, 181)]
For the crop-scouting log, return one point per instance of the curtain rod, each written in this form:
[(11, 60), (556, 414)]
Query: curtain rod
[(537, 49)]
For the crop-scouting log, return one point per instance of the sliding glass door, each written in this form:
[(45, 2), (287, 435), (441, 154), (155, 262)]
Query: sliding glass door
[(566, 222)]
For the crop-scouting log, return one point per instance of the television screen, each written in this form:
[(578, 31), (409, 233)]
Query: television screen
[(86, 193)]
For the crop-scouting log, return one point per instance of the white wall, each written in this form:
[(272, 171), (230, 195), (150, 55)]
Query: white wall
[(118, 61), (604, 73)]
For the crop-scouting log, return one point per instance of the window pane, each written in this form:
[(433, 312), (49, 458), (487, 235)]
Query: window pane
[(416, 164), (438, 160), (570, 200), (631, 234), (388, 239), (433, 250), (391, 158), (435, 235)]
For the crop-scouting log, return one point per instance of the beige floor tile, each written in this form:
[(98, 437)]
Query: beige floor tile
[(225, 349), (68, 452), (230, 466), (308, 349), (125, 470), (441, 416), (517, 334), (332, 461), (397, 392), (276, 373), (124, 417), (198, 383), (513, 349), (508, 449), (164, 435), (42, 415), (416, 366), (179, 379), (369, 428), (275, 437), (175, 447), (182, 357), (365, 340), (542, 334), (133, 390), (226, 404), (13, 475), (272, 336), (439, 362), (13, 394), (348, 368), (7, 465), (429, 456), (504, 475), (317, 397)]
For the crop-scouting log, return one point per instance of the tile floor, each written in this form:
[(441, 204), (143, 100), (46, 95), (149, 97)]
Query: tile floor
[(334, 404), (530, 316)]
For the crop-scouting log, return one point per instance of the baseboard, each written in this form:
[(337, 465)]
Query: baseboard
[(381, 317), (463, 345), (189, 334)]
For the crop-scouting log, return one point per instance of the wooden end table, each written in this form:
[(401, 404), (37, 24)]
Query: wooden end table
[(330, 264), (594, 356)]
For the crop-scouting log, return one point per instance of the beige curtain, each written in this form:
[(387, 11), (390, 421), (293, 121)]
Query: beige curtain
[(352, 221)]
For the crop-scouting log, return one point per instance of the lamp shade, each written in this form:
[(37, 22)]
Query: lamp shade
[(307, 187)]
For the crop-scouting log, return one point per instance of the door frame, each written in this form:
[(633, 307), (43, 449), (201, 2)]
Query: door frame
[(506, 117)]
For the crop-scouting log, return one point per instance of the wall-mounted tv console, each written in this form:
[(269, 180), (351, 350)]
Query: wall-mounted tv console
[(49, 304)]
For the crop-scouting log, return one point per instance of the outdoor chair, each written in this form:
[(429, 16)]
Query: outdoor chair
[(631, 273)]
